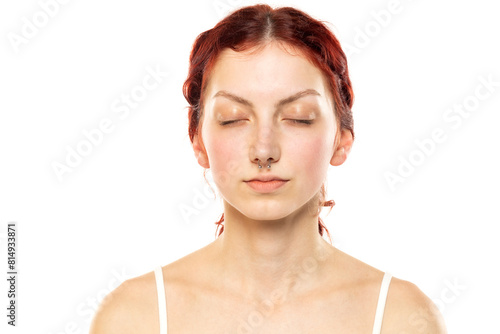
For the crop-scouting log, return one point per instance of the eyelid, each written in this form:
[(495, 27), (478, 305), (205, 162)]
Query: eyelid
[(298, 121), (230, 121), (303, 121)]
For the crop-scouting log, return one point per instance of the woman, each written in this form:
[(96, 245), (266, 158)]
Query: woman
[(270, 109)]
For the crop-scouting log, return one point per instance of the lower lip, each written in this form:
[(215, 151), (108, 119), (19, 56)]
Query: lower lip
[(266, 186)]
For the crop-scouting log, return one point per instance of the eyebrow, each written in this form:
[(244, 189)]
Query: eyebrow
[(280, 103)]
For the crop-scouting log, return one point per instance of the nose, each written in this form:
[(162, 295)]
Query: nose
[(265, 146)]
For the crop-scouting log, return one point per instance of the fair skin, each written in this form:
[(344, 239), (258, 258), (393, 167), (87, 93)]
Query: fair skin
[(270, 271)]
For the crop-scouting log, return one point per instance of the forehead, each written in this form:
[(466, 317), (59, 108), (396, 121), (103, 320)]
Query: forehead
[(268, 70)]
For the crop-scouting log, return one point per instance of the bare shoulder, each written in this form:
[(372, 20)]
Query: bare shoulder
[(130, 308), (133, 306), (409, 310)]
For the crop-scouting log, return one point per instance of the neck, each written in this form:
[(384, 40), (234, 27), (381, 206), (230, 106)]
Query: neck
[(259, 257)]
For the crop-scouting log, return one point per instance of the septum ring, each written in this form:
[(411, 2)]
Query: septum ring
[(268, 164)]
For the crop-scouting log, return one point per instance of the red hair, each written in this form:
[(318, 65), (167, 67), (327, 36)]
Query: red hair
[(252, 26)]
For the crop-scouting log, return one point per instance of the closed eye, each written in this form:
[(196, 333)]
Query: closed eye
[(302, 121), (229, 122)]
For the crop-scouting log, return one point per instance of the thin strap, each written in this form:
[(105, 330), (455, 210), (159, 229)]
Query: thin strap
[(162, 301), (382, 297)]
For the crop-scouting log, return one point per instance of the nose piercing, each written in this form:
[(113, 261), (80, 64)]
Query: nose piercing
[(268, 164)]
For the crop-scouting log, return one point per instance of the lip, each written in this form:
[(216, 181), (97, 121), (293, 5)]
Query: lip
[(266, 186), (264, 178)]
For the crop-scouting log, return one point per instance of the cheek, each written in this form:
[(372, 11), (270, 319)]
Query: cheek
[(313, 155), (225, 156)]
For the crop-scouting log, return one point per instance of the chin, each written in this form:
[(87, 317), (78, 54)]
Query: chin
[(268, 213)]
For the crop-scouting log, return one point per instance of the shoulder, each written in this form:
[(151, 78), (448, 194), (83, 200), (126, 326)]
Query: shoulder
[(409, 310), (130, 308)]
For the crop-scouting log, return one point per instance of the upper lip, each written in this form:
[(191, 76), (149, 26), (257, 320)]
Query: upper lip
[(264, 178)]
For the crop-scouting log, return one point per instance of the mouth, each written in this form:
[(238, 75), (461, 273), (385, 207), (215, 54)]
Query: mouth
[(266, 178), (266, 186)]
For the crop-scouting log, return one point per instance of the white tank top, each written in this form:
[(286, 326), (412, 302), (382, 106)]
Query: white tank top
[(162, 302)]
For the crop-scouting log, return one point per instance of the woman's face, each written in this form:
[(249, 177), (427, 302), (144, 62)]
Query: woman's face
[(269, 104)]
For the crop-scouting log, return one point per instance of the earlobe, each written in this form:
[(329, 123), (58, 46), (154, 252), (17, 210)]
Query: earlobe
[(343, 148), (200, 152), (339, 157)]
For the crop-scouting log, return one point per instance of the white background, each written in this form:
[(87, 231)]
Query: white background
[(118, 213)]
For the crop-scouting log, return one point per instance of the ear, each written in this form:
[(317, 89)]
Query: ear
[(200, 152), (342, 149)]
